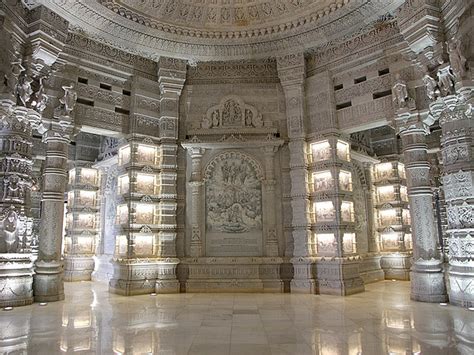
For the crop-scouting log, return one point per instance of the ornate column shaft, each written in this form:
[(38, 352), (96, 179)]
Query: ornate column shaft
[(427, 280), (457, 143), (271, 236), (196, 247), (171, 77), (291, 70), (48, 281)]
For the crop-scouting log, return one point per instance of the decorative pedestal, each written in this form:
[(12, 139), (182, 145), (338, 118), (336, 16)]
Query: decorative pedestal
[(134, 276), (16, 280), (338, 276), (239, 274)]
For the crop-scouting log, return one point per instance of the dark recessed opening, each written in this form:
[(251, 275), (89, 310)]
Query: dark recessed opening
[(380, 94), (360, 80), (344, 105), (384, 71), (122, 111), (85, 102), (105, 87), (126, 92), (338, 87), (82, 80)]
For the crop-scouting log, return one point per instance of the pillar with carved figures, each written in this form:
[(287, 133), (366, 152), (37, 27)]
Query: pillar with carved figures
[(291, 70), (427, 277), (457, 143)]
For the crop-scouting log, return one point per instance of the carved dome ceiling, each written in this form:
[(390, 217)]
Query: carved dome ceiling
[(218, 29)]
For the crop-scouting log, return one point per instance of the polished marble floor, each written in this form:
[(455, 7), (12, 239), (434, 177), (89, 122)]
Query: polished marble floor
[(382, 320)]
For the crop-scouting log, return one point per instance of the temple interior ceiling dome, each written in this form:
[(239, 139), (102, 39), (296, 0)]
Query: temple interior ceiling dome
[(218, 29)]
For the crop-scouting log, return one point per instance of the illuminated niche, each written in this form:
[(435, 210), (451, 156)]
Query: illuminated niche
[(408, 241), (343, 150), (383, 171), (323, 181), (123, 184), (401, 171), (85, 244), (403, 193), (88, 176), (146, 184), (143, 245), (67, 244), (72, 176), (324, 211), (145, 213), (86, 220), (321, 151), (406, 216), (325, 243), (391, 240), (122, 214), (147, 154), (388, 217), (345, 180), (349, 243), (347, 211), (87, 198), (124, 154), (385, 193), (121, 245)]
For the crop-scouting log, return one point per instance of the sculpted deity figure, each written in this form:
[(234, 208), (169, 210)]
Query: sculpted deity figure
[(431, 87), (399, 92), (41, 97), (445, 78), (456, 58), (69, 99), (10, 231), (23, 88)]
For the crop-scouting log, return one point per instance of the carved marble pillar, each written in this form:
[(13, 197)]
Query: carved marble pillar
[(48, 280), (291, 70), (171, 77), (16, 268), (271, 233), (427, 279), (457, 144), (196, 182)]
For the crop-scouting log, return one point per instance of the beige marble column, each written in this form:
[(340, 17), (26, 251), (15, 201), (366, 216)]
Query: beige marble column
[(171, 77), (427, 278), (48, 280), (291, 70), (271, 233), (196, 182)]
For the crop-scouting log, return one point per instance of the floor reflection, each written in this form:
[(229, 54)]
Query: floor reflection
[(382, 320)]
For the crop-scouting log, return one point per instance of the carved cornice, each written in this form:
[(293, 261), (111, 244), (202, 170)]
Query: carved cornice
[(136, 38)]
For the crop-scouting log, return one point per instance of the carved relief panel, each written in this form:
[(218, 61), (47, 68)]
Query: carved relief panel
[(233, 206)]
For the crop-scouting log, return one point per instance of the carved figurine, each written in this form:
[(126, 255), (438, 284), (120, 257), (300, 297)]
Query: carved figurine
[(456, 58), (69, 99), (10, 231), (399, 92), (23, 88), (445, 78), (431, 87)]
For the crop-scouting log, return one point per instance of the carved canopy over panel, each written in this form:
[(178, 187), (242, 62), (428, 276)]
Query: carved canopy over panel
[(228, 155), (232, 112)]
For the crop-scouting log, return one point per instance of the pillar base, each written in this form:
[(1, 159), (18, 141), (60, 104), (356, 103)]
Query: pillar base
[(303, 276), (461, 288), (396, 266), (78, 268), (370, 269), (16, 280), (167, 281), (48, 283), (339, 276), (427, 282), (134, 276)]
